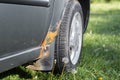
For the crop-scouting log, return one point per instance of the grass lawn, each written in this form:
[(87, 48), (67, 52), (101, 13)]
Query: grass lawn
[(101, 50)]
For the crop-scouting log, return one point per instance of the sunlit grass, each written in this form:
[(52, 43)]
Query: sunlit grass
[(105, 7), (101, 50)]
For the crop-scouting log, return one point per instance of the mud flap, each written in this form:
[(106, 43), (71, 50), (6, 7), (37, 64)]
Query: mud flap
[(46, 63)]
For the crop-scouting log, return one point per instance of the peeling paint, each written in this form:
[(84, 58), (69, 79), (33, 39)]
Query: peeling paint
[(44, 52)]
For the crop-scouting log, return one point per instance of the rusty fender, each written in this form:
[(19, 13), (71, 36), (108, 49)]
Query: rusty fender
[(45, 49)]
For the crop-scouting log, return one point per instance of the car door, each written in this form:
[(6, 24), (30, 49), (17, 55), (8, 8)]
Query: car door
[(23, 24)]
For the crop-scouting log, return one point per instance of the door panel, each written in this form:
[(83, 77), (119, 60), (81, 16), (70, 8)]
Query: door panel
[(22, 27)]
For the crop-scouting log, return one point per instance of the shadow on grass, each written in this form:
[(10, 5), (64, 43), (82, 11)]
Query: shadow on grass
[(107, 23), (16, 71), (25, 74)]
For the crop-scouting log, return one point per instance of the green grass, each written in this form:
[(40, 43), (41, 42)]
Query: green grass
[(101, 49)]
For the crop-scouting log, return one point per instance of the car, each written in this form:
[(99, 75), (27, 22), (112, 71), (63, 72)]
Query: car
[(44, 34)]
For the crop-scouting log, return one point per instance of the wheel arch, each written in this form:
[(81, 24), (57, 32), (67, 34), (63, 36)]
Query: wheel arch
[(85, 4), (58, 11)]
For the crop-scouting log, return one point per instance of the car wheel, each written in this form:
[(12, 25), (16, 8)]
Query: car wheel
[(69, 40)]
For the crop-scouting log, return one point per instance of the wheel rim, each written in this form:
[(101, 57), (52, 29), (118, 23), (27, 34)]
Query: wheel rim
[(75, 40)]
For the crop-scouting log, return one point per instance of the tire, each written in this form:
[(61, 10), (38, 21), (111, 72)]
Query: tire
[(68, 44)]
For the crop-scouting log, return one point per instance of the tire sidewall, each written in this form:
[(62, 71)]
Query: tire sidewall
[(75, 8), (72, 7)]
